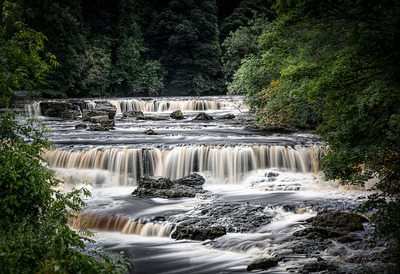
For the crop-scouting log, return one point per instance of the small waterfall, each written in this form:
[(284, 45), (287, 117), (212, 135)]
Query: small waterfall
[(222, 164), (171, 105), (122, 224), (33, 109)]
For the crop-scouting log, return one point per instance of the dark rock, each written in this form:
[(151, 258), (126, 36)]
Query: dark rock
[(263, 264), (87, 114), (318, 232), (226, 117), (271, 174), (193, 179), (81, 126), (156, 182), (309, 248), (341, 220), (177, 114), (152, 118), (192, 232), (59, 109), (99, 119), (132, 114), (107, 107), (318, 266), (97, 127), (150, 132), (203, 116), (162, 187)]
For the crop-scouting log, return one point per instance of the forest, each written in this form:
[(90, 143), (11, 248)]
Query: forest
[(328, 66)]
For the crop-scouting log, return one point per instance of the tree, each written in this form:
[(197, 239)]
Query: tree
[(356, 76), (34, 234), (22, 61)]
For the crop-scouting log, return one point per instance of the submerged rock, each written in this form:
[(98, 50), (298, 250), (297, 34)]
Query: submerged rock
[(177, 115), (203, 116), (263, 264), (153, 118), (162, 187)]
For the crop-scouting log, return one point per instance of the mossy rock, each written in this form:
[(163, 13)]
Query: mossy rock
[(197, 233), (177, 115), (345, 221), (263, 264)]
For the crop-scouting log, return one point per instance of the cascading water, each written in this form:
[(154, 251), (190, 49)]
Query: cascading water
[(222, 164), (261, 186)]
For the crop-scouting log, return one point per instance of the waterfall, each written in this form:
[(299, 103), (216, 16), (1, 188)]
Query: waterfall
[(228, 164), (122, 224), (33, 109), (171, 105)]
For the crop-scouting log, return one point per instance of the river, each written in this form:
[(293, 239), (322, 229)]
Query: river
[(263, 185)]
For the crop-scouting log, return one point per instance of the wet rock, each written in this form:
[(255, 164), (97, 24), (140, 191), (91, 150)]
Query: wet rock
[(152, 118), (196, 233), (97, 127), (81, 126), (99, 119), (226, 117), (193, 180), (318, 232), (162, 187), (341, 220), (87, 114), (177, 115), (132, 114), (271, 174), (62, 110), (263, 264), (203, 117), (150, 132), (318, 266), (107, 107)]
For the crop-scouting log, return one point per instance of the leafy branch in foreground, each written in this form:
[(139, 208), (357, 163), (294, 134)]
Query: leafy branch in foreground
[(35, 236)]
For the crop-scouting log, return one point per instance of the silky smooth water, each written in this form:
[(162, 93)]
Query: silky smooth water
[(233, 156)]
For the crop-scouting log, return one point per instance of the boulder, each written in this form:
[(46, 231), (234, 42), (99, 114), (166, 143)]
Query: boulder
[(59, 109), (263, 264), (97, 127), (203, 117), (162, 187), (81, 126), (193, 180), (196, 233), (226, 117), (177, 115), (132, 113), (153, 118), (150, 132), (87, 114), (344, 221), (106, 106), (99, 119)]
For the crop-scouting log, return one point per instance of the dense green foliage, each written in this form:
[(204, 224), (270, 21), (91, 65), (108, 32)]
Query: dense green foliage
[(334, 66), (34, 235)]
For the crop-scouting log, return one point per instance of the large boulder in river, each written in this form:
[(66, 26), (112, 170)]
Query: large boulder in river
[(162, 187), (344, 221), (226, 117), (109, 108), (177, 115), (203, 117), (63, 110), (197, 233)]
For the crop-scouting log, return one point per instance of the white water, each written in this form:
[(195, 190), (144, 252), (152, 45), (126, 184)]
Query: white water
[(234, 160)]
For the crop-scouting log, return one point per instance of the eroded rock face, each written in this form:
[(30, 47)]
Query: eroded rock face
[(87, 114), (107, 107), (162, 187)]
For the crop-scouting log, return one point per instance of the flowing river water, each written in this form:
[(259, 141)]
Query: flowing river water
[(265, 184)]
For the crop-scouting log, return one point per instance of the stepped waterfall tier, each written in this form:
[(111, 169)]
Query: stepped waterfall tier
[(224, 164), (208, 191)]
